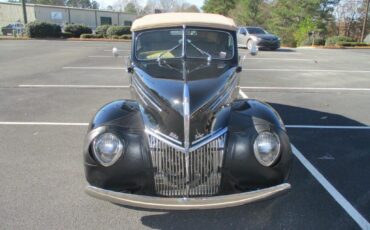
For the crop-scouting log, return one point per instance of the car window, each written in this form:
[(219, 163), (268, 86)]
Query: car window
[(242, 31), (201, 43), (153, 44), (218, 44), (256, 31)]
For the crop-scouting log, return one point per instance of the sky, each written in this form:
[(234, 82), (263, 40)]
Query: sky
[(105, 3)]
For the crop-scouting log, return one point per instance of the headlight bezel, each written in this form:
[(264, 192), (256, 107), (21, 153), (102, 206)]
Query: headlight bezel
[(119, 151), (257, 154)]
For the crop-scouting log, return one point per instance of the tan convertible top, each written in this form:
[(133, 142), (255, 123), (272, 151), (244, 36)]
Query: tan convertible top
[(178, 19)]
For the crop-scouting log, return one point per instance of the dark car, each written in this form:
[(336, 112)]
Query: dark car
[(12, 28), (185, 140), (248, 35)]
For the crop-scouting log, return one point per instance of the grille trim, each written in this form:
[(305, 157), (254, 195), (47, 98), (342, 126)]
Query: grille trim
[(181, 173)]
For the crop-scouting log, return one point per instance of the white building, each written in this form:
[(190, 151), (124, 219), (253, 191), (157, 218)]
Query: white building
[(12, 12)]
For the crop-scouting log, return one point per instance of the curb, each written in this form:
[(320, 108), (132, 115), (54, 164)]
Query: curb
[(67, 39), (333, 47)]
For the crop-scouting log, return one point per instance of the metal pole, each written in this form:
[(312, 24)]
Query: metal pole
[(365, 21), (96, 18), (24, 11), (69, 15)]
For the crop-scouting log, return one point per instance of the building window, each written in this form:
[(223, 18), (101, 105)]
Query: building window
[(127, 23), (105, 20)]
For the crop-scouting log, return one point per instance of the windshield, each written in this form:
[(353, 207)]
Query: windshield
[(200, 43), (256, 31)]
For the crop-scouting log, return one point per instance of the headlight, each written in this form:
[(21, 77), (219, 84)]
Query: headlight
[(107, 148), (255, 38), (267, 148)]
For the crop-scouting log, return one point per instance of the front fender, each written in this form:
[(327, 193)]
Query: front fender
[(257, 113), (120, 113), (132, 172), (241, 170)]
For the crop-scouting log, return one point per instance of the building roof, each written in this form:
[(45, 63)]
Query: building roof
[(178, 19)]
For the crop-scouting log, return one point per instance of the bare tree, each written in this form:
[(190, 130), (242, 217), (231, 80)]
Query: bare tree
[(186, 7), (168, 6), (150, 7), (349, 15), (119, 5)]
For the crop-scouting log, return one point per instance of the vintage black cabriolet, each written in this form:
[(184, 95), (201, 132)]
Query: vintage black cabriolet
[(185, 140)]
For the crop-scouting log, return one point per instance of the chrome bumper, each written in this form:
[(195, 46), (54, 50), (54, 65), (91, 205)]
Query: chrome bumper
[(185, 203)]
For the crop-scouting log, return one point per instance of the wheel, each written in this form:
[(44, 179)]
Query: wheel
[(249, 44)]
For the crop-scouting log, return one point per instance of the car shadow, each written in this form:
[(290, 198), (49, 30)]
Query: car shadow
[(292, 115), (285, 50), (282, 50), (305, 206)]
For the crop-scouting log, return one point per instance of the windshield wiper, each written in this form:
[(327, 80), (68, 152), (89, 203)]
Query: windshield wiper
[(167, 51), (209, 57)]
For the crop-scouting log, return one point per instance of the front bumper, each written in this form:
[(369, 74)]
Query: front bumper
[(152, 202), (268, 44)]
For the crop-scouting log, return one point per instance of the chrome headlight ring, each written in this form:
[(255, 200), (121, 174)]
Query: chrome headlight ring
[(267, 148), (107, 148)]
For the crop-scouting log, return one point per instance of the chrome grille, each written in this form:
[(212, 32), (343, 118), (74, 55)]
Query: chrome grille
[(171, 171)]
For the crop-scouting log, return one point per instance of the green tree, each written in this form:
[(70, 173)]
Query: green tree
[(130, 8), (48, 2), (218, 6), (79, 3), (288, 17), (189, 8), (250, 12), (94, 5), (304, 27)]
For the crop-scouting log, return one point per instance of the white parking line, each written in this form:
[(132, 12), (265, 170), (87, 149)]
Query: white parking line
[(101, 56), (242, 94), (76, 86), (107, 56), (251, 58), (44, 123), (325, 127), (281, 59), (356, 216), (243, 51), (93, 67), (84, 124), (118, 50), (263, 70), (310, 70), (339, 198), (305, 88)]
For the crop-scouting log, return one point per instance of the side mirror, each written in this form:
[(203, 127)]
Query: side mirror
[(128, 65), (254, 49), (239, 69), (115, 52)]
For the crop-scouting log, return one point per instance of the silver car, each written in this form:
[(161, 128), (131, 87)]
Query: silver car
[(247, 35)]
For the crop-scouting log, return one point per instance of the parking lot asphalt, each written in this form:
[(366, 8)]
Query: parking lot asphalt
[(49, 91)]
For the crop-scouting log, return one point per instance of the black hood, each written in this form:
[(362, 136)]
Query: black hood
[(164, 84)]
